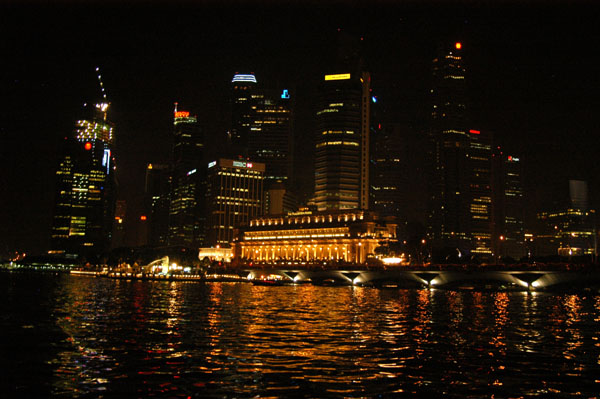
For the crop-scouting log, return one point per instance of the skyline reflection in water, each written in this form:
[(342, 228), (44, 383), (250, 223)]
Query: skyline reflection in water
[(84, 337)]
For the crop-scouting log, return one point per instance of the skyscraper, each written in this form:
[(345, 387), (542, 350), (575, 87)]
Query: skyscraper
[(188, 183), (449, 143), (508, 237), (243, 103), (234, 196), (459, 170), (480, 192), (342, 142), (85, 191), (157, 202), (270, 135)]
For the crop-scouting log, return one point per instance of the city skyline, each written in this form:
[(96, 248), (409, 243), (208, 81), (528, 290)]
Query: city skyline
[(535, 103)]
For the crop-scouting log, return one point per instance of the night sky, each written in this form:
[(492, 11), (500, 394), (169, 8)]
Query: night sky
[(532, 76)]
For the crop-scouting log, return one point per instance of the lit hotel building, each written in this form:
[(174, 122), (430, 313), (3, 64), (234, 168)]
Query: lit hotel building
[(335, 235), (234, 197)]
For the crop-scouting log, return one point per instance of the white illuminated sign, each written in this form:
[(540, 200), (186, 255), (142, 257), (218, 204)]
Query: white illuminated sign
[(244, 78), (211, 164)]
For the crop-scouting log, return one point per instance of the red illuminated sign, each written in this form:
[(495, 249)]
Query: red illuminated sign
[(143, 217), (474, 132), (182, 114), (88, 146), (458, 45)]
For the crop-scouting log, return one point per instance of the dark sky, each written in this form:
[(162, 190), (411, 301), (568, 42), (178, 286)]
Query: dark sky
[(532, 76)]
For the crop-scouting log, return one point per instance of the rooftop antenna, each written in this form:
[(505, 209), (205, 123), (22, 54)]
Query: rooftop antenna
[(104, 105), (101, 84), (176, 103)]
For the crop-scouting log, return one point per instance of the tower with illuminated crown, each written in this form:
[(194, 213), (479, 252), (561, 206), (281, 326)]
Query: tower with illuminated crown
[(343, 127), (188, 182), (85, 185)]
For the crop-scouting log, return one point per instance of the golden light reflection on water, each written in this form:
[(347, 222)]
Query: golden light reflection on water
[(237, 339)]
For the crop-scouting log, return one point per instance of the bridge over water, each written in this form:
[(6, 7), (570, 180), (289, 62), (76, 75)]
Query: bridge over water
[(481, 277)]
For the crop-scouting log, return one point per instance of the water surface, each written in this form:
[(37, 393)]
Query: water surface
[(73, 336)]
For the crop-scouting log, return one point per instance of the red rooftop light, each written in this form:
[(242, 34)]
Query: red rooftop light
[(458, 45), (88, 146), (474, 131)]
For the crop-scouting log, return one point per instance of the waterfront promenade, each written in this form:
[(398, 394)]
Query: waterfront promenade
[(537, 276)]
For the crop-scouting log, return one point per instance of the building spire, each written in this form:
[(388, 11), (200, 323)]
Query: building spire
[(102, 106)]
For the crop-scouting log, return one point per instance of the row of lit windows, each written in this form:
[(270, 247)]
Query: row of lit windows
[(327, 110), (336, 143), (296, 236), (338, 132)]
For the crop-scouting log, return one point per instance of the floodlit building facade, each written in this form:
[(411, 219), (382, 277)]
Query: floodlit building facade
[(313, 236)]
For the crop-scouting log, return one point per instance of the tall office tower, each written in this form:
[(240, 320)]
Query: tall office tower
[(480, 193), (85, 195), (508, 231), (389, 171), (243, 88), (156, 190), (449, 170), (342, 142), (188, 183), (270, 134), (234, 196)]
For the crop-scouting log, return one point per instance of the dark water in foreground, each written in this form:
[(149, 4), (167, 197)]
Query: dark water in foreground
[(84, 337)]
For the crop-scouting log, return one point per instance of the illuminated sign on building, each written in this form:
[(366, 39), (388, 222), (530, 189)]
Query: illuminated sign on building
[(191, 172), (244, 78), (239, 164), (374, 99), (88, 146), (458, 45), (339, 76), (211, 164), (182, 114), (106, 160), (474, 132), (512, 159), (285, 94)]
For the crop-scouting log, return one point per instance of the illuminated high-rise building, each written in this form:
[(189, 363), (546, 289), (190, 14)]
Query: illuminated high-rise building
[(243, 104), (188, 183), (342, 130), (234, 196), (459, 170), (270, 135), (480, 193), (509, 234), (85, 187), (342, 142)]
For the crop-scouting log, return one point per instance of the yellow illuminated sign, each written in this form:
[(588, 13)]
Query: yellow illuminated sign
[(339, 76)]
